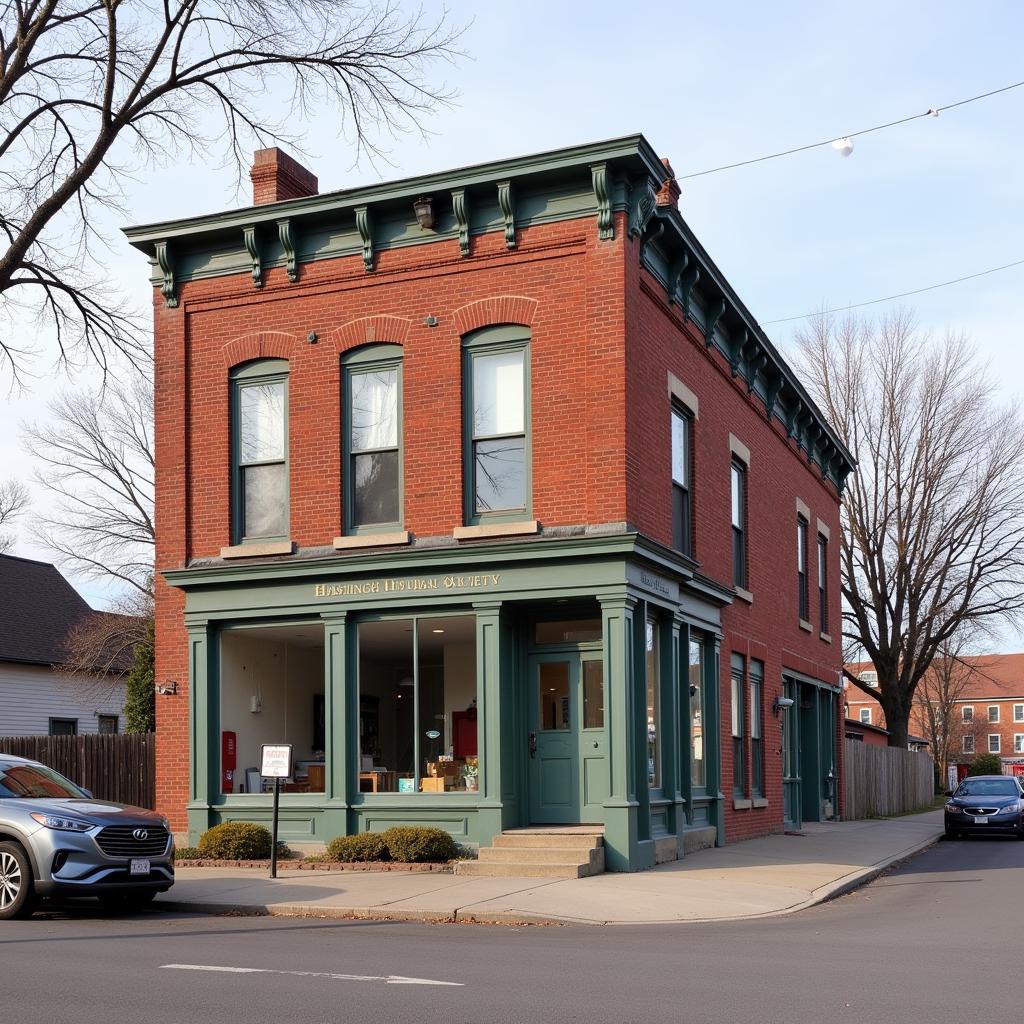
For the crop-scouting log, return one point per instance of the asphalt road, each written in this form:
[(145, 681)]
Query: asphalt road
[(934, 941)]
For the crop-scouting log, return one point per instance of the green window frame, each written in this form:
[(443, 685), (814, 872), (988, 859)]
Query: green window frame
[(756, 728), (260, 373), (738, 674), (487, 343), (371, 359)]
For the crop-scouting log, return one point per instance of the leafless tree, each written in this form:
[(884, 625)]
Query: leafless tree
[(936, 708), (13, 501), (932, 542), (100, 647), (94, 454), (93, 90)]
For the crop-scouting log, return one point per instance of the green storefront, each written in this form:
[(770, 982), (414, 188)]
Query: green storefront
[(563, 680)]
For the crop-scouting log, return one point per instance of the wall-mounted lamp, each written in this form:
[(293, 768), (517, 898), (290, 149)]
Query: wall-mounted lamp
[(168, 689), (782, 704), (424, 210)]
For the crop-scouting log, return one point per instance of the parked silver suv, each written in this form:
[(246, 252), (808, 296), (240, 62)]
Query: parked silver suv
[(56, 840)]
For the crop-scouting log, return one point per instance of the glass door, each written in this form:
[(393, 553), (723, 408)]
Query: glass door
[(554, 739)]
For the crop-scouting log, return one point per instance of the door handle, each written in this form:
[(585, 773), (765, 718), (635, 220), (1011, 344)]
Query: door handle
[(533, 744)]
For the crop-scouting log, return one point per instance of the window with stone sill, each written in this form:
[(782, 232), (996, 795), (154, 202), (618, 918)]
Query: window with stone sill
[(259, 429)]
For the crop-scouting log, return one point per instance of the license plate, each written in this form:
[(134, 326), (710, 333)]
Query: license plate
[(980, 821), (139, 867)]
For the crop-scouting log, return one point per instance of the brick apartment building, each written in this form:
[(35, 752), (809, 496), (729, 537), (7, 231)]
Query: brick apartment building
[(486, 492), (989, 698)]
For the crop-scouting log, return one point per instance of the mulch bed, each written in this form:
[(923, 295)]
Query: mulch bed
[(288, 864)]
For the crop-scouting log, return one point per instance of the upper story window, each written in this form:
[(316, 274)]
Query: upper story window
[(739, 524), (801, 565), (373, 437), (967, 712), (822, 583), (993, 712), (682, 529), (259, 417), (1018, 712), (497, 407), (865, 715)]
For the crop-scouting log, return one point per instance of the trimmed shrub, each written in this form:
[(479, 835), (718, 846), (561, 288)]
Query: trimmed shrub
[(362, 846), (235, 840), (187, 853), (414, 844), (986, 764)]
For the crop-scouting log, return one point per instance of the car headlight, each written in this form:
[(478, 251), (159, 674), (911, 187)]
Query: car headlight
[(62, 824), (1012, 809), (954, 809)]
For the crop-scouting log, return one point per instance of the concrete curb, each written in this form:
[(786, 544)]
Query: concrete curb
[(823, 894)]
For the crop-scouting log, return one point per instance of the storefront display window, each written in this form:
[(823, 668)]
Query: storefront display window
[(697, 775), (417, 705), (272, 691)]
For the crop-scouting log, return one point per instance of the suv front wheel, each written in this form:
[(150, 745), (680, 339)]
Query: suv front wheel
[(17, 895)]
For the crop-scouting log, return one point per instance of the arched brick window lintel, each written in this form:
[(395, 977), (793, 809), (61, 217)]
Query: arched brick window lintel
[(258, 345), (369, 330), (497, 309)]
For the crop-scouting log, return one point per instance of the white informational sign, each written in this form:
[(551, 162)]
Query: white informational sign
[(951, 776), (277, 761)]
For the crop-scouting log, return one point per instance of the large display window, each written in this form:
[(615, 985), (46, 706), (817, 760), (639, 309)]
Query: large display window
[(417, 705), (272, 691)]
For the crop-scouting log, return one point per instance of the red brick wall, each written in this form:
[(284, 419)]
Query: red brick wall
[(561, 278), (778, 474)]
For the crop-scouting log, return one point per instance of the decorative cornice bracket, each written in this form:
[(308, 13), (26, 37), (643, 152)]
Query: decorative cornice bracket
[(641, 209), (508, 210), (690, 278), (165, 261), (675, 276), (286, 236), (651, 236), (715, 314), (605, 223), (460, 207), (252, 247), (364, 226)]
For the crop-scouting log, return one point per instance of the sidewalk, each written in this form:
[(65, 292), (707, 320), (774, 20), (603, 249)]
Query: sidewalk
[(756, 878)]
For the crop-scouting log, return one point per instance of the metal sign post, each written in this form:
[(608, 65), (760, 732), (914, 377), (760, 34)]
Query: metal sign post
[(276, 765)]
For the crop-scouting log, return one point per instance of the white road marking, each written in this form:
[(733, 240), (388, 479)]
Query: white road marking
[(388, 979)]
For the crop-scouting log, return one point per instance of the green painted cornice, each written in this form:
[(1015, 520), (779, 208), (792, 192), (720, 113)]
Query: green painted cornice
[(631, 153), (673, 255)]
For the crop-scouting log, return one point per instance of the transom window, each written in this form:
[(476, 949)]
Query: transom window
[(497, 424), (260, 419), (373, 437)]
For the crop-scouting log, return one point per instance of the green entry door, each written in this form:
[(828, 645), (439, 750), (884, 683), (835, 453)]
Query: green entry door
[(568, 744)]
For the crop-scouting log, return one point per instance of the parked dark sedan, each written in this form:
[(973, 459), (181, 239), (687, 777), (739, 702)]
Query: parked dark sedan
[(986, 805)]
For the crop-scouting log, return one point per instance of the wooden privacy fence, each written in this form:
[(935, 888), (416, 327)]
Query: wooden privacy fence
[(120, 767), (881, 781)]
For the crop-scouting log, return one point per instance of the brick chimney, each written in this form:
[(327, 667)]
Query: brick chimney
[(668, 194), (276, 176)]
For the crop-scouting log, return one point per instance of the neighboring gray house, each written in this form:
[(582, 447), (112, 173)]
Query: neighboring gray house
[(38, 608)]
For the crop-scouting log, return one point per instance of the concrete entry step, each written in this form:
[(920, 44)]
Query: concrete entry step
[(564, 852)]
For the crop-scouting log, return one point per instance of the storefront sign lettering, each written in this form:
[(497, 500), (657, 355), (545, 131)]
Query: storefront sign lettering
[(411, 585)]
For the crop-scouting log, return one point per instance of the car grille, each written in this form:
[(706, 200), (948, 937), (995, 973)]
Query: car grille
[(982, 811), (118, 841)]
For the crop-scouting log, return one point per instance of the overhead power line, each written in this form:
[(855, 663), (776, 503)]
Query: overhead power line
[(900, 295), (930, 112)]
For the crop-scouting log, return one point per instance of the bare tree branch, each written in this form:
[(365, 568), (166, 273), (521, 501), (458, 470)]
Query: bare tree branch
[(933, 518), (95, 456), (93, 90), (13, 501)]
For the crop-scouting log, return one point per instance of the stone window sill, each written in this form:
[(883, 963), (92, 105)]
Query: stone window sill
[(806, 626), (760, 801), (372, 540), (827, 637), (496, 530), (275, 547), (743, 595), (741, 805)]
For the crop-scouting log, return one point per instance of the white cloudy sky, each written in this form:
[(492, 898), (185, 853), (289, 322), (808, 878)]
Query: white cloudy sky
[(710, 84)]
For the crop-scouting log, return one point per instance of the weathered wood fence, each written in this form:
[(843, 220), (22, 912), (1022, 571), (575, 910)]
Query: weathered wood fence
[(881, 781), (120, 768)]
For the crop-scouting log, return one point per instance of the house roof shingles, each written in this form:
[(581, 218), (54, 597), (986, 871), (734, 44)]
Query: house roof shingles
[(38, 607)]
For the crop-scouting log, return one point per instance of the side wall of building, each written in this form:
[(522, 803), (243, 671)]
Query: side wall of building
[(30, 695)]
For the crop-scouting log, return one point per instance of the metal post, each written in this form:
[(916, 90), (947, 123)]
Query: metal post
[(273, 836)]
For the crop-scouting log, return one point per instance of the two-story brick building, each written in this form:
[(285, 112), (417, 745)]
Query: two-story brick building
[(486, 492)]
